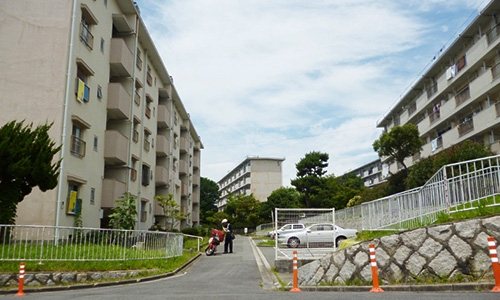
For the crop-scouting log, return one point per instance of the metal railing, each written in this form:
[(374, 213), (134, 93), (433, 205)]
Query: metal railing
[(50, 243), (455, 187)]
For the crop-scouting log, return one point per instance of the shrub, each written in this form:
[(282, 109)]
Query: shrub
[(199, 231)]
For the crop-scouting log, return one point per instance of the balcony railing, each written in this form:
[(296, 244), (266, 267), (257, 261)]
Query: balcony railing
[(412, 109), (434, 116), (77, 146), (416, 157), (137, 98), (135, 137), (497, 107), (86, 36), (133, 174), (462, 96), (149, 79), (432, 90), (465, 127), (493, 34), (495, 71), (138, 62)]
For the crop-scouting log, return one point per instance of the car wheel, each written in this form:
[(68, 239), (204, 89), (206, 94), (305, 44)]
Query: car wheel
[(339, 240), (293, 242)]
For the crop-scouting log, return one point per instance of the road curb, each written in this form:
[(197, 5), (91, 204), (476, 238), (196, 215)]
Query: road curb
[(102, 284), (401, 288), (269, 281)]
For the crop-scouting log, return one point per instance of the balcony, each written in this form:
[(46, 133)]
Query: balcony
[(434, 116), (133, 175), (196, 161), (137, 98), (162, 146), (121, 60), (77, 146), (161, 176), (495, 71), (86, 36), (432, 90), (493, 34), (466, 126), (158, 210), (462, 96), (184, 190), (184, 145), (183, 167), (121, 24), (196, 179), (163, 117), (118, 102), (112, 190), (115, 148)]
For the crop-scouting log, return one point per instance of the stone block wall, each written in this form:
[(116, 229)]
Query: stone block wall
[(445, 250)]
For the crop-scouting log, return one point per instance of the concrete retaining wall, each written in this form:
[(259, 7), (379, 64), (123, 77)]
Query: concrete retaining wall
[(441, 251)]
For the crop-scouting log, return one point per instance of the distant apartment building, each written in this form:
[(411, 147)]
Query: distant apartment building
[(92, 69), (372, 173), (458, 97), (259, 176)]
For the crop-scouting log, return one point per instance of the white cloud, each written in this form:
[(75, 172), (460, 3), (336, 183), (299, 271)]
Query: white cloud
[(285, 77)]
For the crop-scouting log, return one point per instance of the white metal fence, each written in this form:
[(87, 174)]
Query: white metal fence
[(39, 243), (455, 187), (306, 246)]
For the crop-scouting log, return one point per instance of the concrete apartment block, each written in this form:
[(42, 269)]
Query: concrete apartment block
[(259, 176), (92, 69), (458, 97)]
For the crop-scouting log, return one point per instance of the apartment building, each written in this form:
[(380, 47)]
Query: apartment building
[(458, 97), (92, 69), (372, 173), (259, 176)]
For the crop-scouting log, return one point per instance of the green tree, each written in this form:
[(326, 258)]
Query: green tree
[(310, 170), (284, 197), (172, 211), (399, 143), (209, 195), (124, 213), (337, 191), (243, 211), (26, 161)]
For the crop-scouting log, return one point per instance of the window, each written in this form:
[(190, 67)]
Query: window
[(147, 144), (83, 73), (149, 78), (99, 92), (133, 170), (77, 142), (145, 176), (102, 45), (106, 3), (138, 62), (144, 212), (96, 142), (92, 196), (88, 20), (135, 136), (74, 204)]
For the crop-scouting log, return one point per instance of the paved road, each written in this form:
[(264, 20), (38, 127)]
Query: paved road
[(230, 276)]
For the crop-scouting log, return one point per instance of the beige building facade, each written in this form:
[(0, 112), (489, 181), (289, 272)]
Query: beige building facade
[(458, 97), (92, 69), (255, 175)]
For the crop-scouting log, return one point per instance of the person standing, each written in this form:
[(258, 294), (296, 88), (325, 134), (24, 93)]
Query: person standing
[(228, 242)]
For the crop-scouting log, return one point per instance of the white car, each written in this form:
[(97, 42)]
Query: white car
[(317, 235), (286, 228)]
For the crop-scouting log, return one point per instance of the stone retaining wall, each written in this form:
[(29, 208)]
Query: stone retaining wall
[(50, 279), (442, 250)]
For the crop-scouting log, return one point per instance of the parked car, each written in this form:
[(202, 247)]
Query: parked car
[(287, 228), (317, 235)]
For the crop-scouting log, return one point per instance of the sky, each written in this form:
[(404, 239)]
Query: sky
[(282, 78)]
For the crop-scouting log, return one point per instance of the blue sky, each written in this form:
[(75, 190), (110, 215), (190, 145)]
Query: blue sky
[(281, 78)]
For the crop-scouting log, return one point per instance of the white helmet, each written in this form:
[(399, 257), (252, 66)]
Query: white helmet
[(224, 221)]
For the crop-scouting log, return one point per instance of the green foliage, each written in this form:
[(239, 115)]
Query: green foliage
[(209, 195), (172, 211), (281, 198), (376, 192), (243, 211), (124, 213), (309, 172), (199, 231), (423, 170), (397, 182), (26, 161), (399, 143)]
